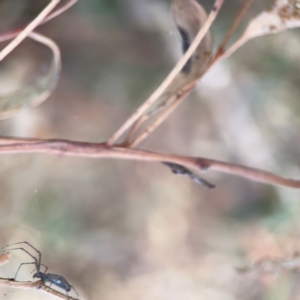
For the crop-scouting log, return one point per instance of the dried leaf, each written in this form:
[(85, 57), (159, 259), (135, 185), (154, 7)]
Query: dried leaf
[(285, 14), (189, 17), (181, 170), (39, 91)]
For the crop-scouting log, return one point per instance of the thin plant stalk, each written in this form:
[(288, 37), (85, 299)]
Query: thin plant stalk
[(164, 85), (28, 29)]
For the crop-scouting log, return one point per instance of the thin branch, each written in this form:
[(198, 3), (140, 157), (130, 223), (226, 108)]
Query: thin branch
[(59, 11), (35, 285), (51, 44), (234, 25), (17, 140), (10, 35), (52, 15), (28, 29), (150, 129), (282, 16), (102, 150), (127, 140), (181, 63), (239, 43)]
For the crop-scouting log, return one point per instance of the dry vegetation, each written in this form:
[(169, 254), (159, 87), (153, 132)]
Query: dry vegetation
[(126, 229)]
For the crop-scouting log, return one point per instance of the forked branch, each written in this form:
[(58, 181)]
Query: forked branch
[(28, 29), (107, 150), (172, 75)]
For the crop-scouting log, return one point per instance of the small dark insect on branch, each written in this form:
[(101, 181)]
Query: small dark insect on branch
[(181, 170), (52, 279)]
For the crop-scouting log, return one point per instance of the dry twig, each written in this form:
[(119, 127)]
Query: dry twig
[(234, 25), (160, 119), (164, 85), (28, 29), (284, 14), (10, 35), (106, 150), (103, 150), (34, 285)]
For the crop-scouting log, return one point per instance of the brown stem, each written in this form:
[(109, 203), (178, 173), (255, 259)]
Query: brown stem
[(133, 129), (28, 29), (234, 25), (165, 84), (35, 285), (10, 35), (102, 150), (150, 129), (142, 119)]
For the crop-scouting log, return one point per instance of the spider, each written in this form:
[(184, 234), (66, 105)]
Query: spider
[(45, 277)]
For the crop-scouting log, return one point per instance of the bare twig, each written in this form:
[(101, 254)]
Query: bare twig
[(59, 11), (143, 135), (181, 63), (17, 140), (127, 140), (51, 44), (105, 150), (10, 35), (234, 25), (28, 29), (283, 15), (35, 285), (188, 16), (102, 150)]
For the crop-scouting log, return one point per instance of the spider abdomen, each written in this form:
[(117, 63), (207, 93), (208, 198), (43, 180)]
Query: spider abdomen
[(57, 280)]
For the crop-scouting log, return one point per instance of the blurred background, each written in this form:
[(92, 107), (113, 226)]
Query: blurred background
[(132, 230)]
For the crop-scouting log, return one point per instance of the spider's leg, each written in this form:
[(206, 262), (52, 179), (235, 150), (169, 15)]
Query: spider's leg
[(30, 263), (72, 287), (37, 265), (46, 268), (38, 261)]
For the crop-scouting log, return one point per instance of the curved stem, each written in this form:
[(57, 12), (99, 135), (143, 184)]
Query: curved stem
[(28, 29), (164, 85), (102, 150)]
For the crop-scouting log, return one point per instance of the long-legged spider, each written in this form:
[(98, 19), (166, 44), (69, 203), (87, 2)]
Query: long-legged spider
[(45, 277)]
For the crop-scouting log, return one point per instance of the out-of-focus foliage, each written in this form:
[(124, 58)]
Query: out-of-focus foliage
[(124, 230)]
